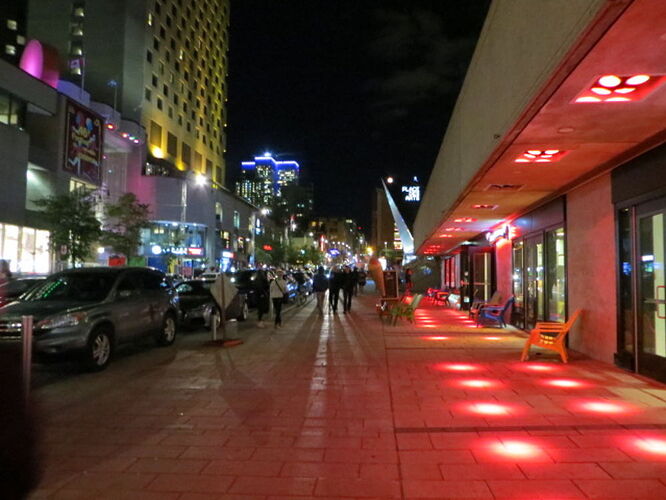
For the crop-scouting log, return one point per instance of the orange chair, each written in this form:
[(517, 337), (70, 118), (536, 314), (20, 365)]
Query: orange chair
[(550, 335)]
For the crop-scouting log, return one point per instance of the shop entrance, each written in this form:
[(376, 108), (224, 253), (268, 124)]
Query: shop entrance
[(651, 310)]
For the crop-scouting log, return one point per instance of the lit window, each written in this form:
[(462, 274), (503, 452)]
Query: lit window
[(10, 49), (150, 18), (12, 24), (79, 12), (20, 39)]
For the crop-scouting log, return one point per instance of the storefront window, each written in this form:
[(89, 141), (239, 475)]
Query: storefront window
[(519, 303), (26, 249), (556, 275), (626, 333)]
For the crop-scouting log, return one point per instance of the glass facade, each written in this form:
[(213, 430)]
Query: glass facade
[(25, 248)]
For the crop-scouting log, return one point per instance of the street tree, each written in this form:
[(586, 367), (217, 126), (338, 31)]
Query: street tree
[(74, 226), (124, 221)]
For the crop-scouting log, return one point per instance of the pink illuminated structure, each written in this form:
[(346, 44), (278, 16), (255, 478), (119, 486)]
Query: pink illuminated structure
[(42, 62), (615, 88)]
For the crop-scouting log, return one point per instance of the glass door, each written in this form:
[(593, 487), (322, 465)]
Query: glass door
[(517, 278), (481, 276), (534, 281), (652, 291)]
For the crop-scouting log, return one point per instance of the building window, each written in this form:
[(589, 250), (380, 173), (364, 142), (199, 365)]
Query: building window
[(156, 43), (147, 94), (78, 12), (209, 169), (155, 134), (198, 162), (172, 145), (154, 80), (12, 25), (150, 19), (186, 154), (165, 90), (10, 49), (149, 56), (159, 103)]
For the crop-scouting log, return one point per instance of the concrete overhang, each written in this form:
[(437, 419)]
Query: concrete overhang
[(622, 38)]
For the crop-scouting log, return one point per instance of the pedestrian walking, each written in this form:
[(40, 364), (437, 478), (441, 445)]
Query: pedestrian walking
[(335, 285), (320, 285), (408, 280), (348, 284), (278, 291), (355, 274), (263, 297), (362, 278), (5, 272)]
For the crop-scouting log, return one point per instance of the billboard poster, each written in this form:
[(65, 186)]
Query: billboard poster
[(83, 146)]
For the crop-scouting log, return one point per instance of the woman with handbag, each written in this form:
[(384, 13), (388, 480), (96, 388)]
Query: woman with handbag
[(278, 292)]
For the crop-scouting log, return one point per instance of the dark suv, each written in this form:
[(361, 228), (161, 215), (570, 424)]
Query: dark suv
[(92, 310)]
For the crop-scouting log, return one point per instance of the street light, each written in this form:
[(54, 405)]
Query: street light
[(200, 179), (389, 180)]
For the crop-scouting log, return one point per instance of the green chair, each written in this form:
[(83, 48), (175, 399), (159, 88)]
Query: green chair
[(405, 311)]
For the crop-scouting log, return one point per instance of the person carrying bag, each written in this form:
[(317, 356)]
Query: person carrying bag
[(278, 295)]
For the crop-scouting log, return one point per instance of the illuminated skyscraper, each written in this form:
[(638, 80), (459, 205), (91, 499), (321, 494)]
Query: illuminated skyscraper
[(161, 63), (263, 180)]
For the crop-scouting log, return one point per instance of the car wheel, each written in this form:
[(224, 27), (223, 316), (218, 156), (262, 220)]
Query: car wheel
[(245, 312), (167, 334), (98, 351)]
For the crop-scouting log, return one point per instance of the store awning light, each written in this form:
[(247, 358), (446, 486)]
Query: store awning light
[(546, 155), (618, 88)]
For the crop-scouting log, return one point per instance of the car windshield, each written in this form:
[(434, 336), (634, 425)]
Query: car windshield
[(79, 287)]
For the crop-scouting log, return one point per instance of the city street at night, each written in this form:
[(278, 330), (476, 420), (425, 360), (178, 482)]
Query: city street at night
[(343, 406)]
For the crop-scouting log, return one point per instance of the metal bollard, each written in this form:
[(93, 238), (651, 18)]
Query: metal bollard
[(26, 337)]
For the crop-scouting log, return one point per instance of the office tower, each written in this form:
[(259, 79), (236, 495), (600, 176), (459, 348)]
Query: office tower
[(12, 29), (161, 63), (264, 179)]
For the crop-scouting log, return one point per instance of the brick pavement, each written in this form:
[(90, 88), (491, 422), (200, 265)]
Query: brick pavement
[(345, 407)]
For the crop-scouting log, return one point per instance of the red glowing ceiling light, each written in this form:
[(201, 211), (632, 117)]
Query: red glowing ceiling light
[(435, 337), (565, 383), (484, 206), (446, 236), (492, 338), (540, 156), (617, 88), (465, 219), (453, 229)]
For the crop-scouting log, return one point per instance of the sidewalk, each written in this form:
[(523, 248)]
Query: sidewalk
[(346, 407)]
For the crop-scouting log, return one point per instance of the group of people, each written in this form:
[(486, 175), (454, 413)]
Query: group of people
[(344, 279), (270, 287)]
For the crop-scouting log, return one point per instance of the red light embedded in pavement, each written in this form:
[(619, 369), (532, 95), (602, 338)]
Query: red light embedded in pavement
[(537, 367), (516, 449), (610, 81), (603, 407), (652, 445), (565, 383), (477, 383), (489, 409), (457, 367)]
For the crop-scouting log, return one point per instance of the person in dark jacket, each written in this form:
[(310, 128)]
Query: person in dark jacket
[(336, 281), (348, 285), (320, 285), (263, 296)]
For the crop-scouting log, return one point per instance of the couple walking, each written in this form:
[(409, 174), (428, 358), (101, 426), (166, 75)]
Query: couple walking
[(270, 289), (343, 280)]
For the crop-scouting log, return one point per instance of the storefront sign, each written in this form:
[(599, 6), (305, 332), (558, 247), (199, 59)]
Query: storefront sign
[(227, 255), (83, 143), (195, 251), (117, 261), (503, 232)]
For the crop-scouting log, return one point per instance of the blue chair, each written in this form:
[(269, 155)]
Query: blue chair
[(494, 314)]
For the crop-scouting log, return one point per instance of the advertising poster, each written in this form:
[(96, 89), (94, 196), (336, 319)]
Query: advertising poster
[(83, 147)]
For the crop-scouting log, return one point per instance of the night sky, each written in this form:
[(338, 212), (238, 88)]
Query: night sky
[(352, 89)]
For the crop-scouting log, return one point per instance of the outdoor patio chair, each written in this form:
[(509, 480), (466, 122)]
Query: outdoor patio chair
[(404, 310), (476, 306), (550, 335), (494, 314)]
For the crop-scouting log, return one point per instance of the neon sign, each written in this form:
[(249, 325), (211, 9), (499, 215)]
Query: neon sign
[(412, 193)]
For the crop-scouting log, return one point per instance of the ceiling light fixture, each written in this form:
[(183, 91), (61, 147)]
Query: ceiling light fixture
[(540, 156), (607, 87)]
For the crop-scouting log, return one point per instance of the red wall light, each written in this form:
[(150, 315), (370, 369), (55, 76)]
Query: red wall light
[(617, 88), (545, 155)]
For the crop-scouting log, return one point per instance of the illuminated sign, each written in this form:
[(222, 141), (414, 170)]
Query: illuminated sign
[(334, 252), (412, 193), (84, 143), (268, 248), (505, 231), (227, 255), (195, 251)]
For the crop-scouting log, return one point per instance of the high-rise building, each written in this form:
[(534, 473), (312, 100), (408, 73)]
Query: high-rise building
[(263, 180), (12, 29), (161, 63)]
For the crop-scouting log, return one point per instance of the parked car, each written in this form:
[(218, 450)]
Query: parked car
[(197, 305), (12, 290), (90, 311), (246, 282)]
